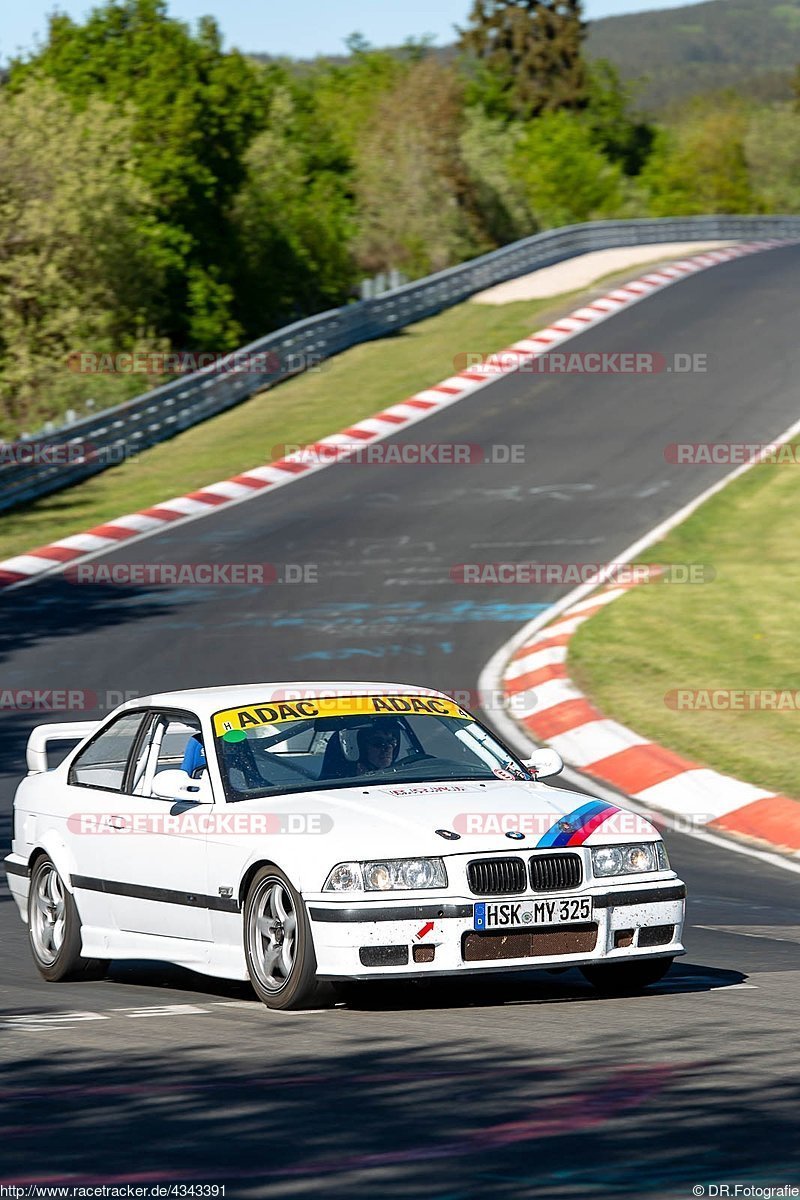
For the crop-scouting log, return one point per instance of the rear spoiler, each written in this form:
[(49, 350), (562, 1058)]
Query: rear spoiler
[(64, 731)]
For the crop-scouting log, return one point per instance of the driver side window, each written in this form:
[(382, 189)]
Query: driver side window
[(165, 748)]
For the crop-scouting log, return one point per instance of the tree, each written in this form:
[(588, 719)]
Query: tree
[(489, 147), (194, 110), (700, 166), (526, 56), (566, 177), (416, 205), (81, 252), (343, 97), (621, 137), (772, 152), (295, 225)]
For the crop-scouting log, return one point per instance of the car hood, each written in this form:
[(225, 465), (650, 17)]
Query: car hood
[(402, 820)]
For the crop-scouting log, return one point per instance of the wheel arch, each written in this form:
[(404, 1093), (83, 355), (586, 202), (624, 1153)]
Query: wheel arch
[(250, 873), (52, 847)]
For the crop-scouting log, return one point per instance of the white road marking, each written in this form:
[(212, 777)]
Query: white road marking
[(163, 1010), (734, 987), (254, 1006), (43, 1020), (773, 933), (306, 1012), (59, 1020)]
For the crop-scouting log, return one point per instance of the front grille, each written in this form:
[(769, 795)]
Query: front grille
[(555, 872), (529, 943), (496, 876)]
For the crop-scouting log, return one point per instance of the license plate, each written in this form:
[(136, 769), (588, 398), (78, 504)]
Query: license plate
[(517, 914)]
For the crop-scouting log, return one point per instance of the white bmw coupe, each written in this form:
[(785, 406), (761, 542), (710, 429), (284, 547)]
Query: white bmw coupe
[(293, 834)]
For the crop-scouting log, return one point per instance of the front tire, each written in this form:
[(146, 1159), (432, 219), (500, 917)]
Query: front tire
[(54, 927), (277, 942), (625, 978)]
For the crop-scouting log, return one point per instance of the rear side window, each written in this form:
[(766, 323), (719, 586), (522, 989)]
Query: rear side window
[(102, 764)]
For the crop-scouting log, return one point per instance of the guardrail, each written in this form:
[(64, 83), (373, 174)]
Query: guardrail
[(65, 456)]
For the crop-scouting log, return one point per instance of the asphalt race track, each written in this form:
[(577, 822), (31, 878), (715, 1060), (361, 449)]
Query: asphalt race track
[(522, 1086)]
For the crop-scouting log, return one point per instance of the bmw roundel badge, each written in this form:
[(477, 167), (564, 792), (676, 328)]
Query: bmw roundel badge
[(516, 834)]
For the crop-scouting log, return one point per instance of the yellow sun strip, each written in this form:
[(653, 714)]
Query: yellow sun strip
[(276, 712)]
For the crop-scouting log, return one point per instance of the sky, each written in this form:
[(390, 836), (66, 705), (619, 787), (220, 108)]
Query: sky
[(302, 28)]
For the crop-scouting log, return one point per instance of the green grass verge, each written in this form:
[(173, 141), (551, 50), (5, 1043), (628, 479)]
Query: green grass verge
[(347, 388), (738, 631)]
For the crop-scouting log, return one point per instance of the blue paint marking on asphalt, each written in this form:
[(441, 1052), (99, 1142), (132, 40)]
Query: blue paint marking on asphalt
[(356, 613), (419, 650), (362, 617)]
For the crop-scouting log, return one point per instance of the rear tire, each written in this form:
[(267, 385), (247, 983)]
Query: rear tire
[(625, 978), (54, 928), (277, 943)]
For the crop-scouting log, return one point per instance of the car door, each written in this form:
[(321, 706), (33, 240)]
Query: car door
[(142, 854)]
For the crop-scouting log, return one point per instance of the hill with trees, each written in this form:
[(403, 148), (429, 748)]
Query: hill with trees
[(751, 46), (160, 193)]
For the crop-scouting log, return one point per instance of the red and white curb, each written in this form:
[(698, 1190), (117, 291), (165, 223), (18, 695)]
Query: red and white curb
[(549, 706), (24, 569)]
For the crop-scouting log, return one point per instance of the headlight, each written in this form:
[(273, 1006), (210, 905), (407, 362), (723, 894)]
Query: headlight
[(387, 875), (420, 873), (607, 860), (631, 859), (345, 878)]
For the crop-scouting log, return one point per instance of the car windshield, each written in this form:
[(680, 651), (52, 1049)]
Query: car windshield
[(294, 745)]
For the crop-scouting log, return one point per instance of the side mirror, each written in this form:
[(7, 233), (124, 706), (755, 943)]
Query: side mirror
[(545, 762), (178, 785)]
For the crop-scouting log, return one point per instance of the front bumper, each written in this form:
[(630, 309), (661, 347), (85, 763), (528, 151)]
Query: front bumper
[(379, 939)]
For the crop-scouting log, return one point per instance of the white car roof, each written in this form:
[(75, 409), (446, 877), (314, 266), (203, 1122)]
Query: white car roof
[(207, 701)]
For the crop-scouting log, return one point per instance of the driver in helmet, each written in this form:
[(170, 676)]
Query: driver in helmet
[(378, 746)]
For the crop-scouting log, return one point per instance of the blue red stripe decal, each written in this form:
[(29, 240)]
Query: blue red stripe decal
[(579, 825)]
